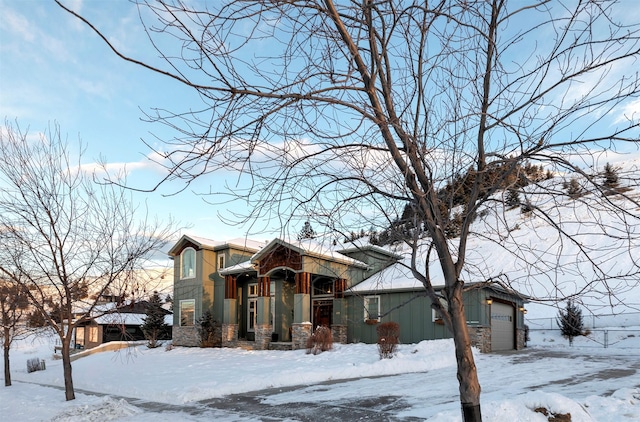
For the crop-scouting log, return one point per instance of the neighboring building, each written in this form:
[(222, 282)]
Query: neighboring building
[(270, 295), (114, 322)]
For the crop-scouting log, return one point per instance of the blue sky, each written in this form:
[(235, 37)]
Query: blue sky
[(52, 68)]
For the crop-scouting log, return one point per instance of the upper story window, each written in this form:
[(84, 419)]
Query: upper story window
[(188, 263), (323, 286), (220, 260)]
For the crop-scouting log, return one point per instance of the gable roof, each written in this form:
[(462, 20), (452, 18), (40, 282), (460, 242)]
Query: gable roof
[(214, 245), (309, 247), (365, 247)]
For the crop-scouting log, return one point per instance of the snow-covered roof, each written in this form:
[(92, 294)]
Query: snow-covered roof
[(368, 247), (117, 318), (393, 278), (210, 244), (310, 247), (233, 269)]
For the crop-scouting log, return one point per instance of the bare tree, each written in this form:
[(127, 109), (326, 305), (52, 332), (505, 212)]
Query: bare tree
[(66, 240), (13, 312), (344, 110)]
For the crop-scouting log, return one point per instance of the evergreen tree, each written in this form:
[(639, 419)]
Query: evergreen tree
[(169, 300), (154, 325), (36, 320), (207, 329), (513, 198), (574, 190), (610, 177), (570, 321), (307, 232)]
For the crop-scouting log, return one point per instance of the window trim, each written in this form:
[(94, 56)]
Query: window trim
[(365, 303), (193, 322), (220, 261), (182, 267)]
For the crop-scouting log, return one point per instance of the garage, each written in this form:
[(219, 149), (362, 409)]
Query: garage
[(502, 326)]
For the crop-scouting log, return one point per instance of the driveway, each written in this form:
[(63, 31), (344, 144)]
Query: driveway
[(305, 402)]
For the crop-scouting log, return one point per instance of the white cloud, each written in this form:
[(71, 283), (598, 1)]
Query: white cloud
[(17, 24), (628, 112)]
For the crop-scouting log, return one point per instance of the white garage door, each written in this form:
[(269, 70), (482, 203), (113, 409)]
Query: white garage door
[(502, 327)]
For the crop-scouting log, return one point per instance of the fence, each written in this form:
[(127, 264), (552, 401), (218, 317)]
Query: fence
[(615, 339), (621, 331), (631, 319)]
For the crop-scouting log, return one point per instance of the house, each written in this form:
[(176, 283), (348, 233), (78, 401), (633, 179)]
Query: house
[(271, 295), (116, 322)]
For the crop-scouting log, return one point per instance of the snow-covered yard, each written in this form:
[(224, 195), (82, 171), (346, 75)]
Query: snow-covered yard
[(593, 384)]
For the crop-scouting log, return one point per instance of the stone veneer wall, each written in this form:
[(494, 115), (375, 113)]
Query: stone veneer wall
[(520, 339), (481, 338), (185, 336), (263, 336), (300, 333), (339, 333), (229, 335)]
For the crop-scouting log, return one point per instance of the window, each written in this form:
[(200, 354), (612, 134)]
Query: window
[(435, 316), (187, 313), (188, 263), (93, 334), (252, 306), (323, 286), (252, 303), (372, 308), (220, 261), (80, 335)]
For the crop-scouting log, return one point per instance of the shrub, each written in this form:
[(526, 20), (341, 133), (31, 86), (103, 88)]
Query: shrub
[(388, 339), (320, 341), (526, 208), (35, 364), (207, 328)]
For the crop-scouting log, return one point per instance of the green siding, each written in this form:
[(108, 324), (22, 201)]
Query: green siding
[(200, 288), (414, 318)]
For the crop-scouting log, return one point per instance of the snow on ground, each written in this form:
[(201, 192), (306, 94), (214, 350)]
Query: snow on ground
[(572, 381)]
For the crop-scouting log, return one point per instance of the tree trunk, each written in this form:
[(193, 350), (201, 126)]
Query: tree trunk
[(7, 367), (467, 371), (66, 366)]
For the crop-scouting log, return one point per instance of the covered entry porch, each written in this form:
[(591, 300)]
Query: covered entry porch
[(278, 297)]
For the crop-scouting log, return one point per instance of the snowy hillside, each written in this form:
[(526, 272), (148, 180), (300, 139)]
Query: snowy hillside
[(595, 261)]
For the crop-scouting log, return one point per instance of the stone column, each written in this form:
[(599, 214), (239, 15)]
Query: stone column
[(339, 323), (263, 328), (230, 323), (300, 333), (301, 328)]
